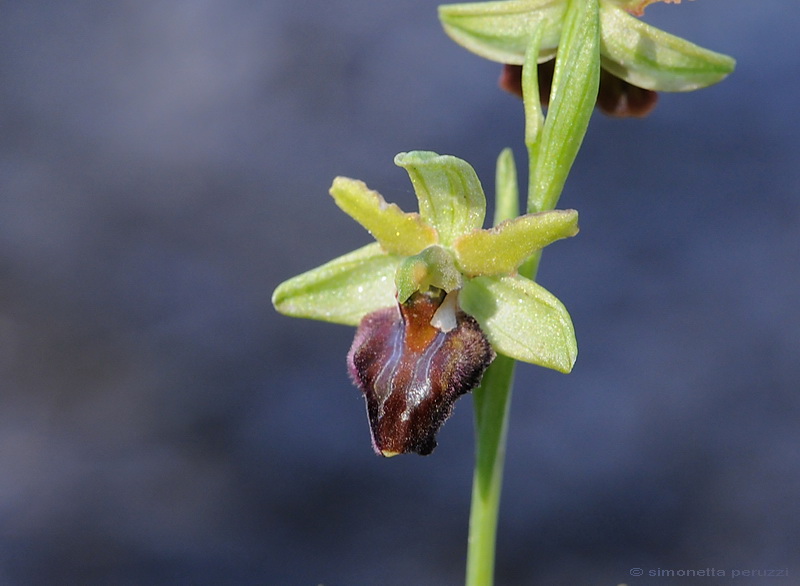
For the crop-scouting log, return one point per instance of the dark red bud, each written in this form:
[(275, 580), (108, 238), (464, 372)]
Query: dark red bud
[(411, 373), (511, 79), (615, 97)]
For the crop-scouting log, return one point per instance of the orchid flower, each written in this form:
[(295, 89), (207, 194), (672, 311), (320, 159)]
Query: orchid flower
[(434, 298)]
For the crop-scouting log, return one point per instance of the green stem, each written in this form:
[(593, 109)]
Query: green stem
[(552, 146), (491, 403)]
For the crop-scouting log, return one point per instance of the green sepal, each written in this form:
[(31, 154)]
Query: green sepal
[(522, 320), (450, 195), (500, 31), (343, 290), (650, 58), (433, 267), (396, 231), (501, 250)]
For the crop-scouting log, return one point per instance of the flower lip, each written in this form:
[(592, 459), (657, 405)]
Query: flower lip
[(412, 372)]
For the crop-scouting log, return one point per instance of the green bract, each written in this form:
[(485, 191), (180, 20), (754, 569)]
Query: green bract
[(443, 247), (630, 49)]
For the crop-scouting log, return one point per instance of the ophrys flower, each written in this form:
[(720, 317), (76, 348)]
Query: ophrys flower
[(436, 296)]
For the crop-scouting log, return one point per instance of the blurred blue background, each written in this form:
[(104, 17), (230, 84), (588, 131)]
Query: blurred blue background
[(164, 165)]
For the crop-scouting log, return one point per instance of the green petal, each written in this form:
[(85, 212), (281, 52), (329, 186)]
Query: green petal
[(450, 195), (396, 231), (502, 249), (343, 290), (650, 58), (522, 320), (500, 31)]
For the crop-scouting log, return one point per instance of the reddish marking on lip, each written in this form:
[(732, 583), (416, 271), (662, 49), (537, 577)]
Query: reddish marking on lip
[(417, 313)]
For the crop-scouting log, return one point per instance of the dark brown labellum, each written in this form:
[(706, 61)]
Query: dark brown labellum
[(411, 372)]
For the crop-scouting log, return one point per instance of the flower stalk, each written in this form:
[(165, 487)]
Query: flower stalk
[(491, 403), (552, 145), (588, 35)]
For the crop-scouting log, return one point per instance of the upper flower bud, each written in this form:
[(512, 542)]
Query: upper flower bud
[(640, 54)]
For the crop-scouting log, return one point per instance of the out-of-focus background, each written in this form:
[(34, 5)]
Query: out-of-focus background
[(164, 165)]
